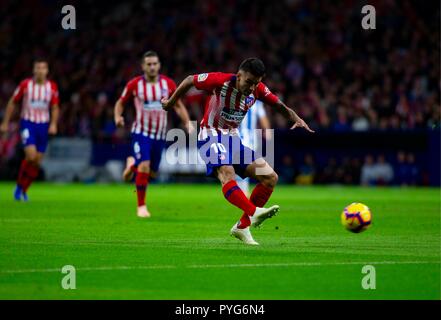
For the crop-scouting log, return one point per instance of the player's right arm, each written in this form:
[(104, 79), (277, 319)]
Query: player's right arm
[(117, 112), (119, 105), (16, 97), (204, 81), (8, 114), (180, 91)]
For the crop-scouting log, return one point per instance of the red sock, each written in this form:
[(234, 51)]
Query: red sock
[(30, 174), (235, 196), (244, 221), (134, 168), (259, 197), (141, 181), (21, 179)]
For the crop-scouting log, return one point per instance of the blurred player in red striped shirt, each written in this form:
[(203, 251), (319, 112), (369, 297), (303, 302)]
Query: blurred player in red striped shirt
[(150, 125), (219, 142), (39, 116)]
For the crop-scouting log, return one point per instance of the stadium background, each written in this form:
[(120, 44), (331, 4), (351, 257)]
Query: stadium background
[(372, 96), (365, 92)]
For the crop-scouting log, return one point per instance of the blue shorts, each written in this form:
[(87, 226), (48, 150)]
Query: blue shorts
[(225, 149), (147, 149), (34, 134)]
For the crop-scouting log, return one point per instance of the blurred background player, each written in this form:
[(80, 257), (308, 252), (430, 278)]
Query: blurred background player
[(232, 95), (39, 116), (150, 125), (255, 116)]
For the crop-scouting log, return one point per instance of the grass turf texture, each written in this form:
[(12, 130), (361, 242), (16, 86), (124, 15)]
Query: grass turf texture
[(185, 252)]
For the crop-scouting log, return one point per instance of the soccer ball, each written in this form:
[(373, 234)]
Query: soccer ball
[(356, 217)]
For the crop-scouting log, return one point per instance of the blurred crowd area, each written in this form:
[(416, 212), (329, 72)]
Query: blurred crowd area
[(320, 61), (373, 170)]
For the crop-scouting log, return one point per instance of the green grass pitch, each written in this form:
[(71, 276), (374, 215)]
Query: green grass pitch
[(185, 251)]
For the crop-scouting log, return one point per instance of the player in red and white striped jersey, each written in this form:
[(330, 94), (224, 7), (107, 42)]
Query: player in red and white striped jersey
[(231, 97), (37, 98), (151, 119), (39, 116), (227, 106), (150, 125)]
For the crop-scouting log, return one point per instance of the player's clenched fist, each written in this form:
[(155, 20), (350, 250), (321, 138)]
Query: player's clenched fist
[(119, 121), (165, 104), (53, 129)]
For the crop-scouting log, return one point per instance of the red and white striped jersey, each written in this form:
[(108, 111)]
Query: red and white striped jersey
[(151, 119), (36, 99), (227, 106)]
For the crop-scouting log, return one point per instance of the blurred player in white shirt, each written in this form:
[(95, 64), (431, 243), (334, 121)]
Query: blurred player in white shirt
[(256, 117)]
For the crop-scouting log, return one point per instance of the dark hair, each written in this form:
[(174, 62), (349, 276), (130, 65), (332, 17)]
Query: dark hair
[(150, 53), (40, 60), (254, 66)]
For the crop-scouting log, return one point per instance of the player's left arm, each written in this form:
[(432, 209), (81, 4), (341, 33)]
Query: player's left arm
[(55, 114), (55, 110), (7, 116), (292, 116), (267, 96), (16, 97)]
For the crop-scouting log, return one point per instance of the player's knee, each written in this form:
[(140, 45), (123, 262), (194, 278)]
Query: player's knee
[(226, 174), (270, 180), (32, 158), (144, 167), (275, 178)]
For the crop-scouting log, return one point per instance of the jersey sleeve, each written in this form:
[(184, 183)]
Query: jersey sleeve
[(265, 95), (128, 91), (55, 99), (19, 91), (210, 81)]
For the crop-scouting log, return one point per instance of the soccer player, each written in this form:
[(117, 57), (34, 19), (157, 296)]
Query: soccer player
[(150, 126), (39, 116), (220, 145), (247, 131)]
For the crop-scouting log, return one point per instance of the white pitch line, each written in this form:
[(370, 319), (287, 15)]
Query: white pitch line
[(310, 264), (206, 266)]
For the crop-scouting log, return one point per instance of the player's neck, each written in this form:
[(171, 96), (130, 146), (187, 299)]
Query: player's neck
[(39, 81), (236, 84), (151, 79)]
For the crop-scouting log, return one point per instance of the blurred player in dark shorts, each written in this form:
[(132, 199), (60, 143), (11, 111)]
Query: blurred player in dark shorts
[(39, 115), (150, 125)]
